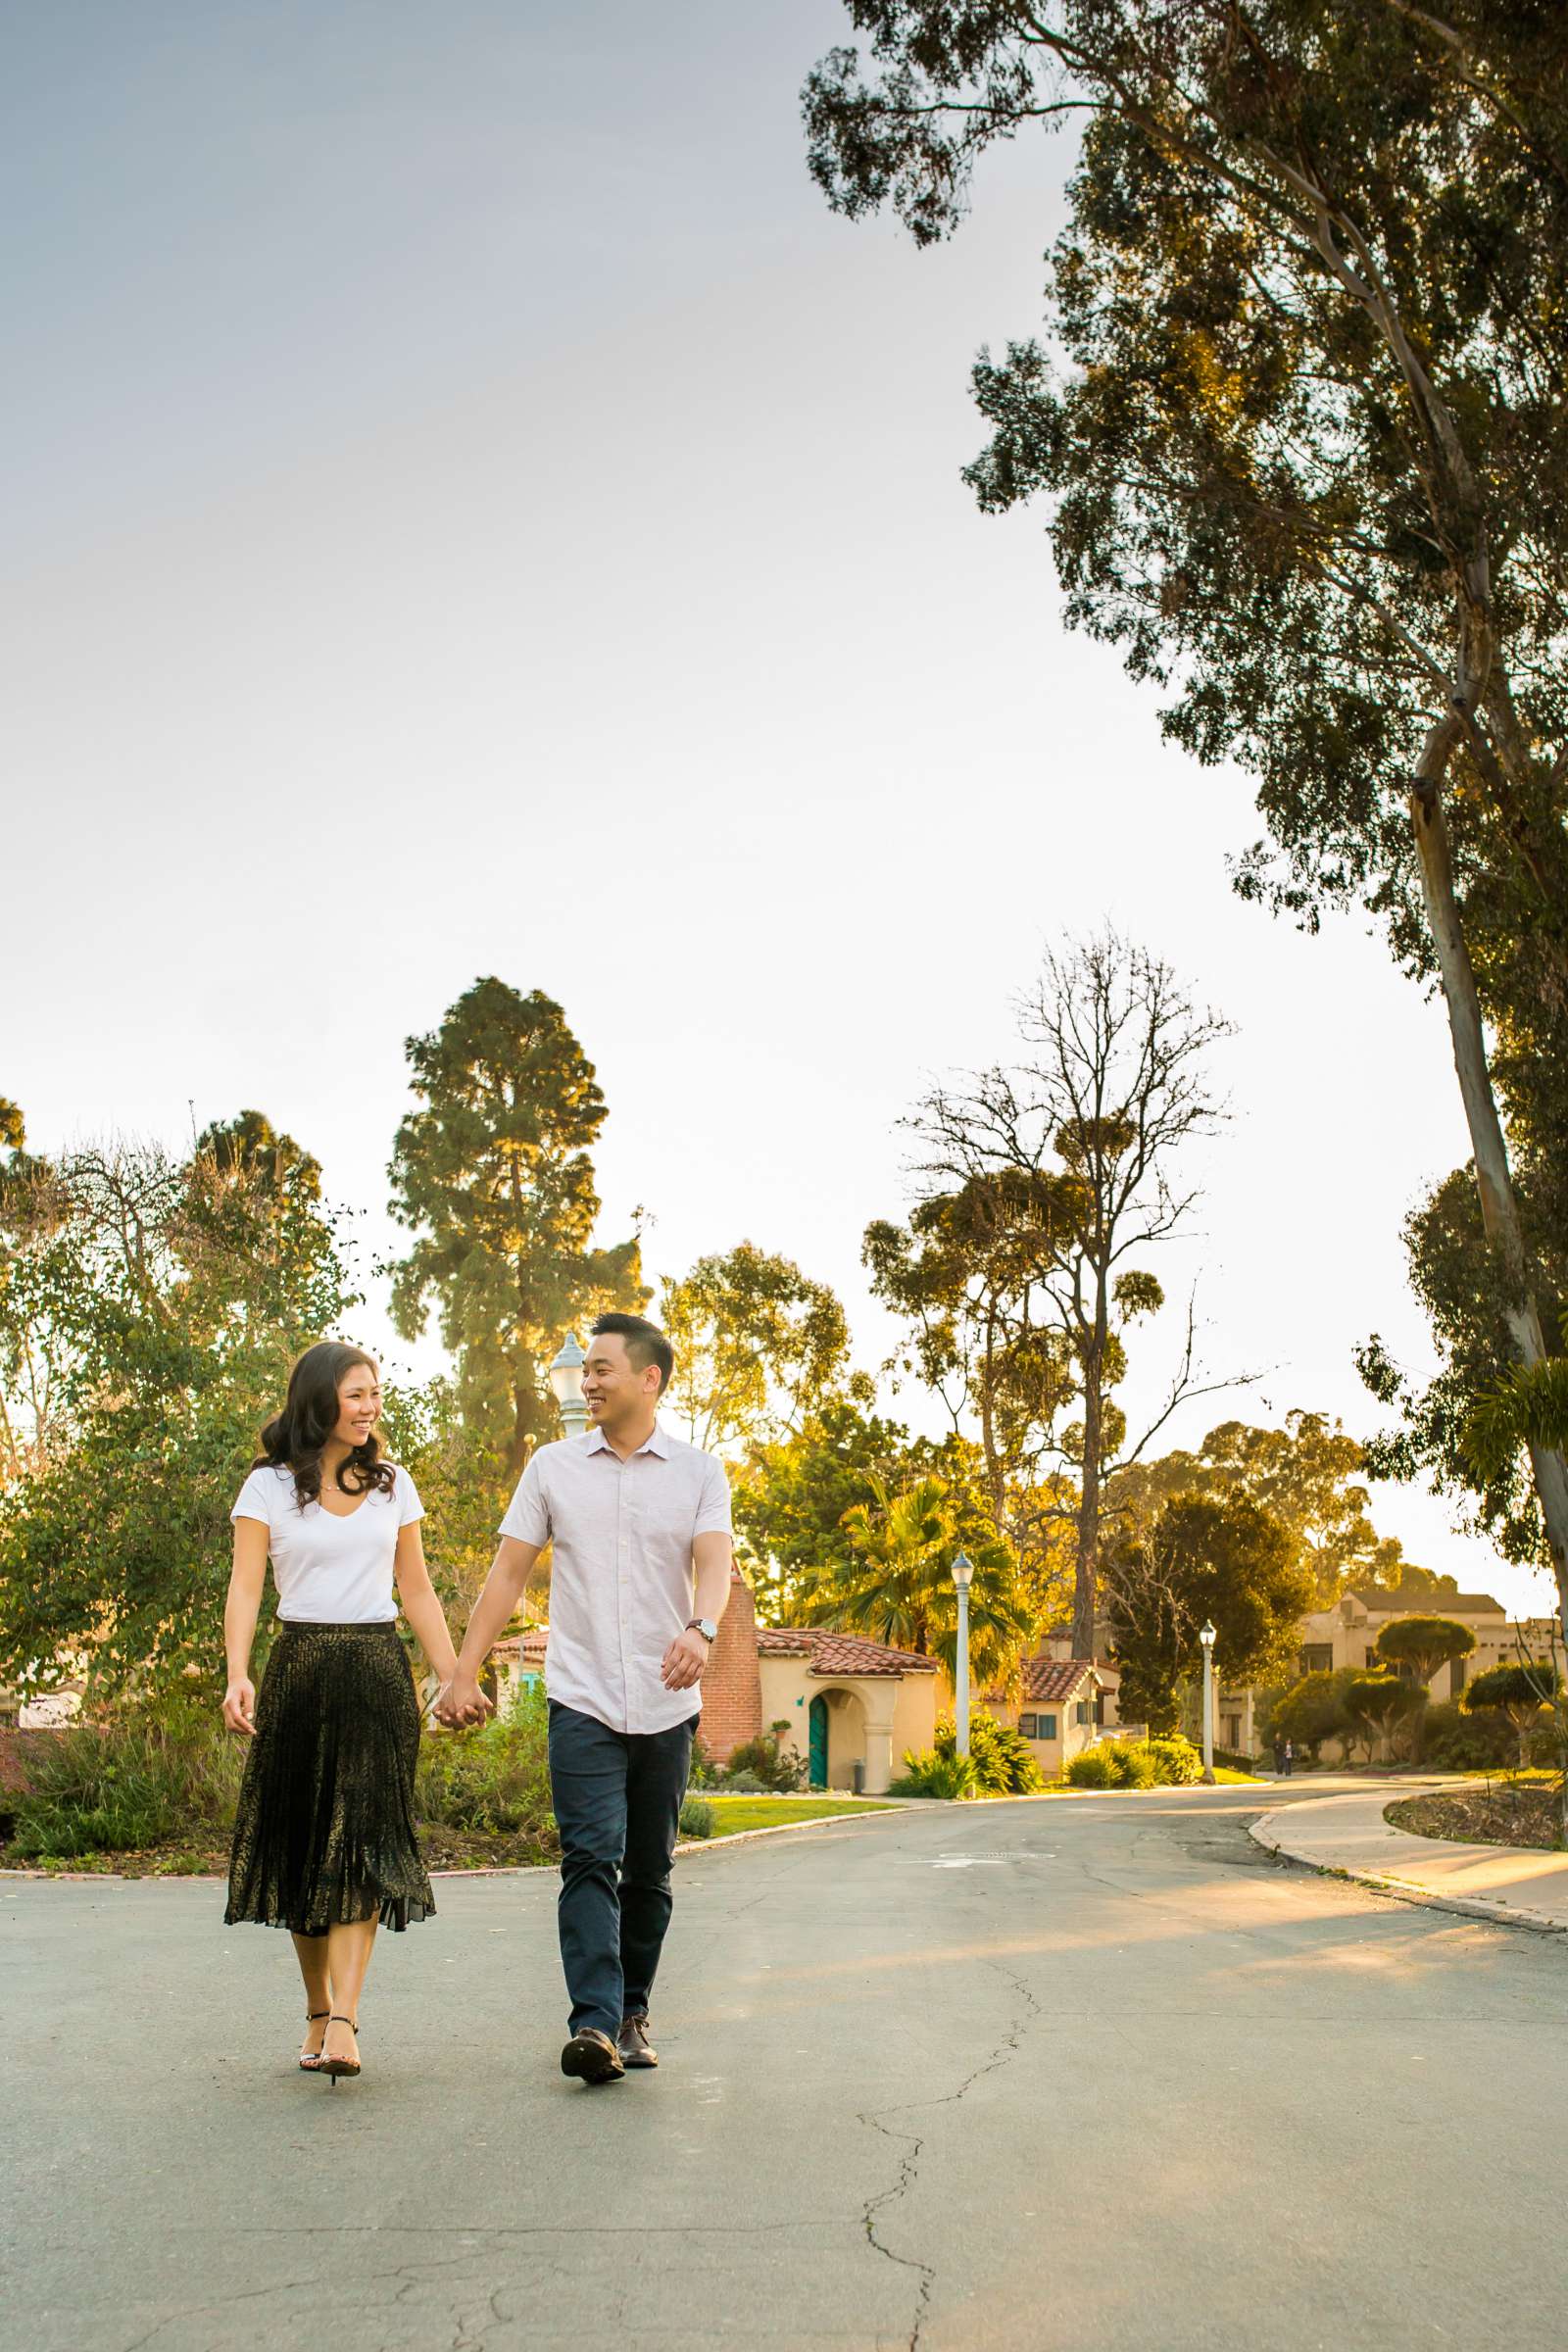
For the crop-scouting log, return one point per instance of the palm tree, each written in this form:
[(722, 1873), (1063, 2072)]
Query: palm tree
[(895, 1582), (1529, 1409)]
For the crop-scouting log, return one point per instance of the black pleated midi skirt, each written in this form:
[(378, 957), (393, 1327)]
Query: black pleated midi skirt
[(324, 1834)]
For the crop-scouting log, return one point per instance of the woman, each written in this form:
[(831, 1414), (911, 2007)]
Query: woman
[(324, 1839)]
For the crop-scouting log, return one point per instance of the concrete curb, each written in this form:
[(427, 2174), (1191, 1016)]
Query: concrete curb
[(1500, 1913), (486, 1870)]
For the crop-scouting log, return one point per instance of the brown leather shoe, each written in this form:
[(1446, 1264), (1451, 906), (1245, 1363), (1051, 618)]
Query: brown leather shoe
[(592, 2057), (635, 2048)]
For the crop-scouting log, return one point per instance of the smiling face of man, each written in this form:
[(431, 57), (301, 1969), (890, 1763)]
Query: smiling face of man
[(619, 1392)]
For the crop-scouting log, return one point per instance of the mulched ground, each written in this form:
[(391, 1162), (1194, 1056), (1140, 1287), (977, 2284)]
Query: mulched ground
[(443, 1849), (1508, 1813)]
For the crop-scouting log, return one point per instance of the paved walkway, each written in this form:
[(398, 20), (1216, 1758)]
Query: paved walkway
[(1008, 2078), (1348, 1833)]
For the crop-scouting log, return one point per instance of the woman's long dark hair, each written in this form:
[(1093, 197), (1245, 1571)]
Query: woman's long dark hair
[(295, 1439)]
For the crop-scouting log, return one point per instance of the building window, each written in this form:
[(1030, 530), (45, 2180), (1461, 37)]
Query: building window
[(1026, 1725), (1317, 1657), (1048, 1726), (1080, 1713), (1372, 1661), (1455, 1676), (1233, 1733)]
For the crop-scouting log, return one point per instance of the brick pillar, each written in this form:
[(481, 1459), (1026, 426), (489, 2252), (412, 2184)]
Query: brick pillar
[(732, 1685)]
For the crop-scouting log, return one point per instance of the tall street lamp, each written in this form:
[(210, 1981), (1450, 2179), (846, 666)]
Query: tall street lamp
[(565, 1378), (1205, 1635), (962, 1578)]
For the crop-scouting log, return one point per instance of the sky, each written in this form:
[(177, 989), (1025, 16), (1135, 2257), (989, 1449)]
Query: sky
[(472, 508)]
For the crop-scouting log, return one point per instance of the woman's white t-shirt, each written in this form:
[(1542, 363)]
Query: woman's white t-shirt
[(331, 1570)]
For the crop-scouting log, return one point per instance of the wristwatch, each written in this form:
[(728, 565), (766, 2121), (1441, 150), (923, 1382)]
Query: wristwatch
[(704, 1626)]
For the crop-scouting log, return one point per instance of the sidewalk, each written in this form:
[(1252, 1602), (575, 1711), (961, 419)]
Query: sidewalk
[(1348, 1833)]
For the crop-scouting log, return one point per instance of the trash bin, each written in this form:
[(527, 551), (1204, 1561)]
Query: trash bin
[(858, 1776)]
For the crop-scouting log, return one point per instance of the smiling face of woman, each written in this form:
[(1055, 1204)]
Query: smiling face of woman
[(359, 1404)]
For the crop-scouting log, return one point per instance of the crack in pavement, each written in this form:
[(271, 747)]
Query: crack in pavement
[(1002, 2056)]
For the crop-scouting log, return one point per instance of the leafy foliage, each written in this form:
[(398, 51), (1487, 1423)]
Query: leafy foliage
[(1301, 437), (1003, 1759), (1519, 1692), (1040, 1183), (1379, 1705), (893, 1580), (146, 1775), (758, 1346), (928, 1774), (494, 1779), (166, 1300), (1313, 1710), (770, 1764), (1307, 1475), (1220, 1558), (1424, 1643), (494, 1176)]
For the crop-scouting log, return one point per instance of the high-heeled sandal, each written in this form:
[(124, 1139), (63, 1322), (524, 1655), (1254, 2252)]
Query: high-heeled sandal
[(309, 2060), (333, 2067)]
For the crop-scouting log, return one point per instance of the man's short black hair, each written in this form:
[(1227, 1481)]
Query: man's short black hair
[(646, 1344)]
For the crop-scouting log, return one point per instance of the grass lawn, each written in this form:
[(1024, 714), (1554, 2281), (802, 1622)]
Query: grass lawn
[(734, 1813)]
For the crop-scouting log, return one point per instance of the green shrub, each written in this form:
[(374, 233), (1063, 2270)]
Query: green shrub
[(697, 1817), (1136, 1764), (930, 1774), (703, 1771), (1456, 1739), (765, 1762), (494, 1777), (145, 1776), (1003, 1761), (1177, 1762)]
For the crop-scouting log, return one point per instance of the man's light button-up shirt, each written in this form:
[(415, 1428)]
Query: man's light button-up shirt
[(620, 1577)]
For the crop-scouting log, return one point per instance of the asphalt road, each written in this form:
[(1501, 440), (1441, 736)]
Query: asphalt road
[(1094, 2073)]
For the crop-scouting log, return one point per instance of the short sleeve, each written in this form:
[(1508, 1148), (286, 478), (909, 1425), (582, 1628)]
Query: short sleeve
[(712, 1506), (528, 1519), (254, 1498), (405, 1494)]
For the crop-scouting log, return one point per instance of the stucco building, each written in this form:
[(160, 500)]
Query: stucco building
[(849, 1706)]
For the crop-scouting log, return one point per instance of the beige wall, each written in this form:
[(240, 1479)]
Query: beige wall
[(873, 1718), (1349, 1632)]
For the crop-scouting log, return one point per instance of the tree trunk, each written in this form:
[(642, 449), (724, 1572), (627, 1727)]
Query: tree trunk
[(1083, 1590), (517, 1449), (1500, 1209)]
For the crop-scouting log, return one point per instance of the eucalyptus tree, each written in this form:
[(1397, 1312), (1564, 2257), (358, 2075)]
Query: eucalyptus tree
[(1042, 1180), (1301, 435)]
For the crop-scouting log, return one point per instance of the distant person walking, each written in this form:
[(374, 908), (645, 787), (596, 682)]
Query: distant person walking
[(1279, 1755), (639, 1526), (323, 1837), (1290, 1757)]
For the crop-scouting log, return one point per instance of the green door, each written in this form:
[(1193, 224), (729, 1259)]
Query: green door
[(819, 1722)]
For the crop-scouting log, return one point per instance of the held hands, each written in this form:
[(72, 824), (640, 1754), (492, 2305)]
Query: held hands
[(239, 1707), (683, 1661), (461, 1702)]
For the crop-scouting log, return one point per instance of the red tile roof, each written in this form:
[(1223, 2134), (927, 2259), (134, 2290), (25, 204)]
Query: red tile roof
[(833, 1652), (1055, 1679), (532, 1648)]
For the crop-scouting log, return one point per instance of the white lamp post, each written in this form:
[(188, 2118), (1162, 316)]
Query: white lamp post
[(565, 1378), (962, 1578), (1205, 1635)]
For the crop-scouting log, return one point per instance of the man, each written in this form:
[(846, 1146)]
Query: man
[(636, 1520)]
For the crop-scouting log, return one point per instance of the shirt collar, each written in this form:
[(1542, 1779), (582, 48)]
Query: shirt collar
[(657, 1444)]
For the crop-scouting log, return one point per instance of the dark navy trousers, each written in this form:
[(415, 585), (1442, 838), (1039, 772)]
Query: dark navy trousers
[(616, 1799)]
